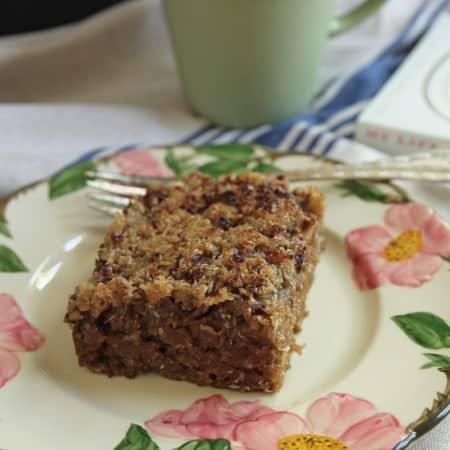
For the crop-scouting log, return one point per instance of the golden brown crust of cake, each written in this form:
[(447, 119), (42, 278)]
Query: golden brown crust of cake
[(239, 251)]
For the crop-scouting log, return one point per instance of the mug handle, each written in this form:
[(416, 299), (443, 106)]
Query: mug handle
[(354, 17)]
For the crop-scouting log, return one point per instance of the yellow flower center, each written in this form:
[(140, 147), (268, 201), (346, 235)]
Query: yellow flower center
[(403, 247), (308, 442)]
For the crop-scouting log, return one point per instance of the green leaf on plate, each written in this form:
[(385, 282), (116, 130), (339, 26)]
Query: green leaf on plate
[(136, 439), (4, 227), (70, 180), (236, 152), (425, 329), (223, 167), (208, 444), (365, 191), (9, 261), (263, 167), (178, 166), (436, 360)]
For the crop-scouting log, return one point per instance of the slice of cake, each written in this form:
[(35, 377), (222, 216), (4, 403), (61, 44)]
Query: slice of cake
[(203, 281)]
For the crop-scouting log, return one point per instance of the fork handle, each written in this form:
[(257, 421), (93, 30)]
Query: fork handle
[(345, 173)]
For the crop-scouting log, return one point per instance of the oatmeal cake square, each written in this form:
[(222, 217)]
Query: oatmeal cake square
[(203, 281)]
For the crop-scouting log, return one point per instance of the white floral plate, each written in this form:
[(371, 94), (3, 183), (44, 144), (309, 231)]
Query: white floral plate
[(379, 311)]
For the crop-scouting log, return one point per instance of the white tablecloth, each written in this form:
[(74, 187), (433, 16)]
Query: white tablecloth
[(111, 80)]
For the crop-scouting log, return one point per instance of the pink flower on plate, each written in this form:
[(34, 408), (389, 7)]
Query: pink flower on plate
[(141, 162), (210, 418), (335, 421), (407, 252), (16, 335)]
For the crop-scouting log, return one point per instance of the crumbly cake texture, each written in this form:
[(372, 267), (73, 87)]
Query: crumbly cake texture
[(203, 281)]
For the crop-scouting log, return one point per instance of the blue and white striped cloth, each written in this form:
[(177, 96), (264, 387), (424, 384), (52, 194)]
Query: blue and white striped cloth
[(334, 112)]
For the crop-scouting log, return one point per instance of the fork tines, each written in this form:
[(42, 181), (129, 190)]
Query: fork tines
[(113, 191)]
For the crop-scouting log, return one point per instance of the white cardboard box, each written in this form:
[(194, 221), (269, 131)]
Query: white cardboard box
[(412, 111)]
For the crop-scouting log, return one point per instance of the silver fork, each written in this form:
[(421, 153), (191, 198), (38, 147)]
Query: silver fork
[(113, 191)]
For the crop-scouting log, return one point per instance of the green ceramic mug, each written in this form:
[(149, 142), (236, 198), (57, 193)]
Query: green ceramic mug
[(247, 62)]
